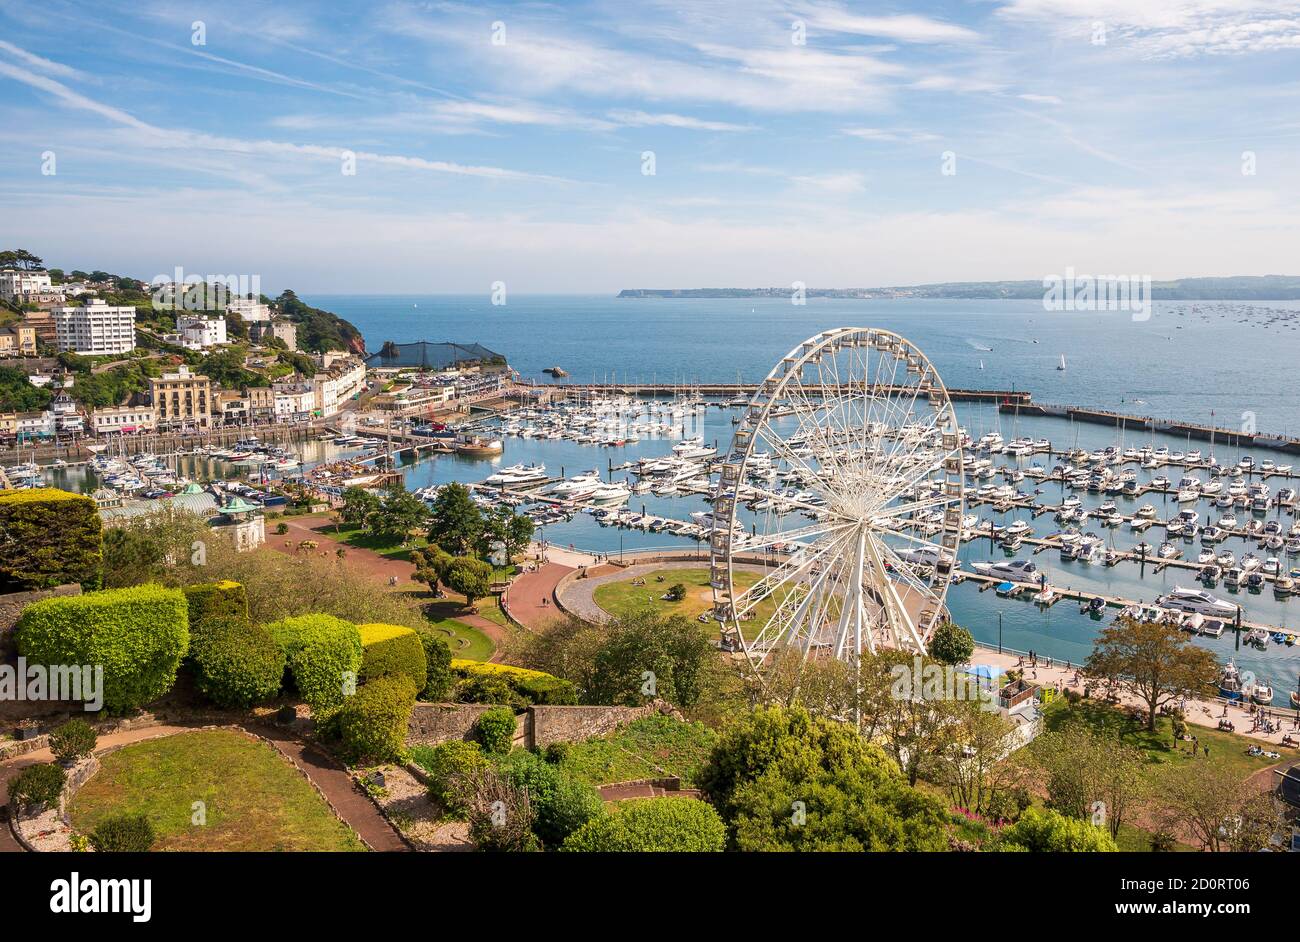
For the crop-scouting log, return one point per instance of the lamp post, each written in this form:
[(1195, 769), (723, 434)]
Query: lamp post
[(999, 632)]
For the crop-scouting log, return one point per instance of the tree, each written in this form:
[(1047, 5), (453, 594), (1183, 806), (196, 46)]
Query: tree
[(912, 714), (358, 505), (399, 512), (1089, 776), (20, 259), (431, 566), (456, 521), (1216, 807), (785, 780), (512, 530), (951, 644), (470, 577), (979, 769), (1155, 661)]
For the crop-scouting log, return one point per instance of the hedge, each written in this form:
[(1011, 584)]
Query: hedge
[(236, 663), (530, 686), (392, 649), (373, 722), (449, 766), (653, 825), (322, 653), (37, 785), (213, 601), (125, 833), (49, 537), (138, 635), (441, 681)]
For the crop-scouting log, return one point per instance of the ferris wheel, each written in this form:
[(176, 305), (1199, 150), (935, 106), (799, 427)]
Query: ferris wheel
[(839, 508)]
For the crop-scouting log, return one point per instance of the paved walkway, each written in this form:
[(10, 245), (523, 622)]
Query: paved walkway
[(325, 772), (531, 598)]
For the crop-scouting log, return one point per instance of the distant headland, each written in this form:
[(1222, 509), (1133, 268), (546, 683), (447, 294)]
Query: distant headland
[(1233, 288)]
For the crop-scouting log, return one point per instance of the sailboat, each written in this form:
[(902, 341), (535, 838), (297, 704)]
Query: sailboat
[(1061, 366), (981, 364)]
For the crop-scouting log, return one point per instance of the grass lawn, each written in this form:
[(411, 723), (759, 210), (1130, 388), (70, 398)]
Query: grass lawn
[(465, 640), (254, 799), (1226, 749), (621, 598), (352, 535), (645, 748)]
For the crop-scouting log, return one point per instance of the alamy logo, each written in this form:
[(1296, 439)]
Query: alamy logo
[(182, 292), (919, 682), (53, 682), (1098, 293), (76, 895)]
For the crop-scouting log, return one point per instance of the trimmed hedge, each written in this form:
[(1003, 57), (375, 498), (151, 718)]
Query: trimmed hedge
[(320, 652), (450, 766), (123, 834), (392, 649), (441, 682), (37, 785), (49, 537), (213, 601), (236, 663), (496, 730), (653, 825), (373, 721), (481, 683), (72, 740), (138, 635)]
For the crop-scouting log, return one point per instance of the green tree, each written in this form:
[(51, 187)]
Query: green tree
[(1218, 807), (978, 768), (785, 780), (470, 577), (358, 505), (1155, 661), (908, 706), (507, 527), (399, 512), (456, 522), (1089, 776), (1047, 831), (951, 644), (431, 566)]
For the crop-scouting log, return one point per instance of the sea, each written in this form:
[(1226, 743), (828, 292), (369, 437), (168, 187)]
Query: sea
[(1226, 363)]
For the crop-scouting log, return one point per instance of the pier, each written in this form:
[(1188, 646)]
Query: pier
[(659, 390)]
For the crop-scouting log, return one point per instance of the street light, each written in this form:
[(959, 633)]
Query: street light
[(999, 632)]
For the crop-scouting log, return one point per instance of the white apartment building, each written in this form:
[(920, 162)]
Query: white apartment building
[(249, 309), (117, 419), (14, 283), (200, 331), (95, 328), (294, 398), (340, 382)]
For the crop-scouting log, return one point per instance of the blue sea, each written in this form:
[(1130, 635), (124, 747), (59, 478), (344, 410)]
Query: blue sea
[(1225, 363)]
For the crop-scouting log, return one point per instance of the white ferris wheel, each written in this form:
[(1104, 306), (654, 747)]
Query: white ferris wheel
[(839, 508)]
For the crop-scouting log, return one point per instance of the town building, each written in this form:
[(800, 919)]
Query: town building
[(280, 328), (95, 328), (249, 310), (294, 400), (182, 399), (261, 401), (14, 284), (111, 420), (200, 332), (19, 340), (42, 322), (67, 419), (232, 408), (342, 379)]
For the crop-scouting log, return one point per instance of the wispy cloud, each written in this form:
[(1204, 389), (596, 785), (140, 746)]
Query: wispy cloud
[(637, 119)]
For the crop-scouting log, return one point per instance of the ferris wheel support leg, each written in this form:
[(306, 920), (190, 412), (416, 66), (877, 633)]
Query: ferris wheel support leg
[(851, 611)]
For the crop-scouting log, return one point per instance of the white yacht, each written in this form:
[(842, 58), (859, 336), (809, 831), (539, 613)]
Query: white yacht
[(1197, 600), (1014, 570)]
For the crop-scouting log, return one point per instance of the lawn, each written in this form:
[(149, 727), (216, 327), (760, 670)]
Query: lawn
[(621, 598), (465, 640), (646, 748), (354, 536), (1226, 749), (254, 800)]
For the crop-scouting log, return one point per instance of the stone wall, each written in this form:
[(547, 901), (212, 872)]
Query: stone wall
[(12, 605), (536, 727)]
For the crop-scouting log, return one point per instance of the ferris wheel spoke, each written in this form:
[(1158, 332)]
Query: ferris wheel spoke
[(789, 572), (793, 536)]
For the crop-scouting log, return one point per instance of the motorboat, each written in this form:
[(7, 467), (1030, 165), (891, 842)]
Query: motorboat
[(1197, 600), (1233, 577), (1016, 570), (1230, 682)]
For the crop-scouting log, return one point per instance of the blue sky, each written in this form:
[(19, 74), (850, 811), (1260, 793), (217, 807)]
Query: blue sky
[(505, 142)]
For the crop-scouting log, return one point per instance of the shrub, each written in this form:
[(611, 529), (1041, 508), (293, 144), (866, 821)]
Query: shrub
[(470, 577), (1050, 831), (496, 730), (139, 635), (676, 593), (236, 663), (124, 834), (951, 644), (72, 740), (213, 601), (37, 785), (653, 825), (560, 803), (449, 766), (504, 683), (440, 680), (392, 649), (557, 752), (373, 721), (320, 651), (51, 537)]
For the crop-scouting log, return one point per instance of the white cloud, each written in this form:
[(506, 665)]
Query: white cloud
[(41, 64), (838, 183), (907, 28), (638, 119), (1040, 99), (890, 136)]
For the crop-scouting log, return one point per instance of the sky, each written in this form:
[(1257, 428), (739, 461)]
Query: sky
[(585, 147)]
